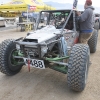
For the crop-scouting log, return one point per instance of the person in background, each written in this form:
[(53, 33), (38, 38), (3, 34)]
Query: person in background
[(45, 19), (86, 22)]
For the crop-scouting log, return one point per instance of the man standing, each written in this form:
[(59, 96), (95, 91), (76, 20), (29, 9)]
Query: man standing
[(86, 22)]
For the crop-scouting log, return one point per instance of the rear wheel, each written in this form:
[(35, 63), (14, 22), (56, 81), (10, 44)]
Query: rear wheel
[(93, 41), (99, 24), (96, 25), (8, 64), (78, 66)]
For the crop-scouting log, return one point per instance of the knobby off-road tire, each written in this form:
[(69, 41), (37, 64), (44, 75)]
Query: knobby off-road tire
[(96, 26), (93, 42), (78, 66), (6, 49)]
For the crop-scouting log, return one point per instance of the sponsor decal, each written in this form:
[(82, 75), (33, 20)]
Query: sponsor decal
[(36, 2), (16, 2), (75, 4), (29, 14), (32, 7)]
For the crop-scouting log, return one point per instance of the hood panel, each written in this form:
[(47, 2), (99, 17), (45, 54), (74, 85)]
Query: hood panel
[(44, 34)]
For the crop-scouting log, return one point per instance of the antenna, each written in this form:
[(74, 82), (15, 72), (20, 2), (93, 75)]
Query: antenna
[(75, 4)]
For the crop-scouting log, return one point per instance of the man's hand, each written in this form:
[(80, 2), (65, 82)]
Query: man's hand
[(78, 13)]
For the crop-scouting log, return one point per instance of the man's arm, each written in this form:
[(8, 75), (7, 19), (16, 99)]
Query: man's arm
[(83, 16)]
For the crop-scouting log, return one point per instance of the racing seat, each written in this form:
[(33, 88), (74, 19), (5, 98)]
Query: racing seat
[(60, 26)]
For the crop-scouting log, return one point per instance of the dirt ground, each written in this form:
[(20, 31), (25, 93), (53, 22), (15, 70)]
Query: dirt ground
[(47, 84)]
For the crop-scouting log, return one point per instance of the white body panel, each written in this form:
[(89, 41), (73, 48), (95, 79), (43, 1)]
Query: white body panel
[(44, 34)]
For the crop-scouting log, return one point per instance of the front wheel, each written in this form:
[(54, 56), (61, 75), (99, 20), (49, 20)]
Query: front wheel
[(8, 64), (78, 66)]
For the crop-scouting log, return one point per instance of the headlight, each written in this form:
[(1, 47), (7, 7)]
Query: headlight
[(44, 50), (17, 47)]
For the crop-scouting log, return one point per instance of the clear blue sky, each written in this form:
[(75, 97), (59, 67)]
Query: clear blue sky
[(96, 3)]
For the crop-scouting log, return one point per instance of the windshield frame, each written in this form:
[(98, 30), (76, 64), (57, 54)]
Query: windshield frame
[(55, 11)]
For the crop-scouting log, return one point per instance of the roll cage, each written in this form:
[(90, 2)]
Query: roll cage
[(70, 17)]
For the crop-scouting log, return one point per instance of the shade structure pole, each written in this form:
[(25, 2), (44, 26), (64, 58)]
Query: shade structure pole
[(27, 15)]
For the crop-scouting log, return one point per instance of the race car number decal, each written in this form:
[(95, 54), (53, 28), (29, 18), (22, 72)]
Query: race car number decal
[(35, 63)]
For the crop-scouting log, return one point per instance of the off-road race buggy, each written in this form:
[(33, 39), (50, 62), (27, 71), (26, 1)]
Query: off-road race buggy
[(52, 44)]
